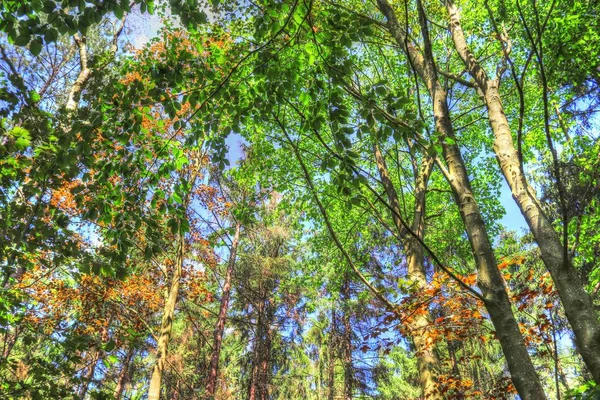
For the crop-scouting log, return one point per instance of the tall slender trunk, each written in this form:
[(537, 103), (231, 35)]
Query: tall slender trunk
[(253, 391), (576, 301), (167, 323), (253, 380), (220, 325), (320, 368), (123, 375), (331, 359), (427, 361), (347, 342), (265, 330), (265, 364), (489, 279), (259, 388)]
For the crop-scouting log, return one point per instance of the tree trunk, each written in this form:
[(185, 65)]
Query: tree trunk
[(122, 380), (265, 365), (259, 389), (331, 360), (167, 323), (253, 381), (89, 376), (84, 75), (253, 391), (320, 365), (85, 71), (578, 305), (489, 279), (347, 342), (220, 326), (427, 361)]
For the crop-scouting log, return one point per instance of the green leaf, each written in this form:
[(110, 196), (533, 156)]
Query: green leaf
[(112, 359), (110, 346), (200, 17), (35, 97), (450, 141), (49, 6), (21, 136), (118, 11), (22, 40), (304, 98), (51, 35), (35, 47), (177, 198), (150, 7)]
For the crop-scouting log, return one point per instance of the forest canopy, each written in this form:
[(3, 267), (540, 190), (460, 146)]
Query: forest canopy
[(299, 199)]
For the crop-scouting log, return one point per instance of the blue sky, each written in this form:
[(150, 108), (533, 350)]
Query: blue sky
[(513, 219)]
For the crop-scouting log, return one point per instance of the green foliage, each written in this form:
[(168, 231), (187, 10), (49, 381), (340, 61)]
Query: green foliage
[(587, 391), (397, 376), (103, 191), (36, 23)]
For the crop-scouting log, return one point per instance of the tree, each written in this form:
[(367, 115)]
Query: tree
[(353, 244)]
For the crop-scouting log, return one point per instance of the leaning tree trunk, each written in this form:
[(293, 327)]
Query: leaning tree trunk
[(427, 362), (489, 279), (167, 323), (220, 326), (576, 301)]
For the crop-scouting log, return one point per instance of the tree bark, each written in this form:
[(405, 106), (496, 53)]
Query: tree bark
[(167, 323), (220, 326), (331, 359), (82, 78), (576, 301), (265, 365), (261, 375), (253, 391), (347, 342), (123, 375), (427, 361), (90, 375), (489, 279), (85, 71)]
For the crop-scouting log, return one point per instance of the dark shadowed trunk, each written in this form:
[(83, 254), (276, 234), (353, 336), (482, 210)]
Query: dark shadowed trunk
[(261, 361), (124, 374), (347, 341), (331, 359), (211, 383)]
